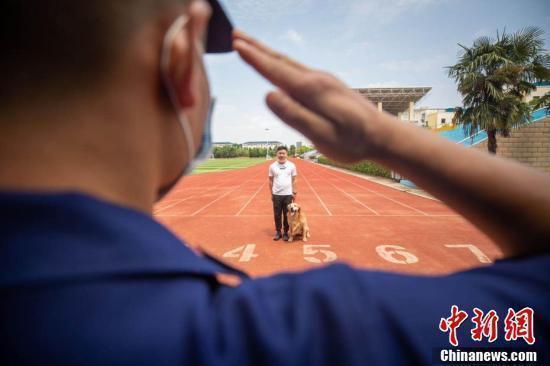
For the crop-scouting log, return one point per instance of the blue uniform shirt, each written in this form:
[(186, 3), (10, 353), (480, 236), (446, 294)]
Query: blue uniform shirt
[(85, 282)]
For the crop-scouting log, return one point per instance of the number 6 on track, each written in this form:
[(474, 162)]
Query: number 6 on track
[(390, 253), (310, 250)]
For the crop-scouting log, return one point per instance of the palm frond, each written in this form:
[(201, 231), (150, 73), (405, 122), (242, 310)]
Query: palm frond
[(494, 75)]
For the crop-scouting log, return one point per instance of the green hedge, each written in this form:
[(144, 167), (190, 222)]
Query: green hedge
[(365, 167)]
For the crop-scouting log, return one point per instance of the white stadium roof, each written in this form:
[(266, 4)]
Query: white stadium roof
[(394, 99)]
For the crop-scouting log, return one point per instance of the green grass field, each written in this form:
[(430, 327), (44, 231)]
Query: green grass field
[(220, 165)]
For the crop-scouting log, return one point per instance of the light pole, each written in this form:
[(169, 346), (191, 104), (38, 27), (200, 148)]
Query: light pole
[(267, 145)]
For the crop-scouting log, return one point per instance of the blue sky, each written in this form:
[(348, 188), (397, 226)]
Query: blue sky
[(365, 43)]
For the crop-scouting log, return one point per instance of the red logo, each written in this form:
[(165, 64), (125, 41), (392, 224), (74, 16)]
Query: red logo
[(452, 323), (519, 325), (485, 326)]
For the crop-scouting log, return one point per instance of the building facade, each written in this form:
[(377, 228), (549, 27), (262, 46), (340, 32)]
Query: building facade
[(432, 118), (398, 101), (542, 88)]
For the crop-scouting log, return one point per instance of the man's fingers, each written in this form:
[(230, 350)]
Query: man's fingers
[(313, 126), (318, 91), (302, 85)]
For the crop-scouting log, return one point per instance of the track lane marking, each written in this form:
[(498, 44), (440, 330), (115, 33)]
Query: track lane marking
[(172, 204), (180, 200), (250, 200), (222, 196), (315, 193), (349, 195), (379, 194), (309, 215)]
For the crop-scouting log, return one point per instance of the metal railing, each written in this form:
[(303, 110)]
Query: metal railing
[(535, 116)]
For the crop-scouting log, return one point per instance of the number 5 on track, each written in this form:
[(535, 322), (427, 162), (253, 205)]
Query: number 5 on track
[(311, 250)]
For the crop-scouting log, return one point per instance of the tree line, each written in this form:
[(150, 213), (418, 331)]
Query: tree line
[(238, 151)]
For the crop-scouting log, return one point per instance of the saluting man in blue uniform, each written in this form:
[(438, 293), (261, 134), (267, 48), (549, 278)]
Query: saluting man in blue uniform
[(104, 105)]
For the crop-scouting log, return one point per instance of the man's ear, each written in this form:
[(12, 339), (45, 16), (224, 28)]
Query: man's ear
[(186, 56), (182, 68)]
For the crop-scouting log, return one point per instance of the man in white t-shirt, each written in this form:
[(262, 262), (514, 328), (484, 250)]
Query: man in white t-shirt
[(282, 181)]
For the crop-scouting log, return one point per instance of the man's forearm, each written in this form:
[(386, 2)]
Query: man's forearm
[(508, 201)]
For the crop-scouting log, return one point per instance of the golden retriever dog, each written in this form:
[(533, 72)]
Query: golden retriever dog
[(297, 222)]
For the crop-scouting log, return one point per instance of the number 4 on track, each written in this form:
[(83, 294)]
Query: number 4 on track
[(245, 253)]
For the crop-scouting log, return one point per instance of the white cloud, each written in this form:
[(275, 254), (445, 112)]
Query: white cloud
[(384, 84), (266, 9), (293, 36), (240, 125), (404, 65), (388, 10), (225, 108), (425, 64), (356, 47), (482, 32), (380, 10), (344, 75), (443, 95), (359, 15)]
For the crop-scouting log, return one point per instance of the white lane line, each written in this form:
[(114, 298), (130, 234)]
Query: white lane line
[(220, 197), (381, 195), (185, 189), (187, 198), (315, 193), (309, 215), (172, 204), (350, 196), (250, 200), (356, 200), (167, 202)]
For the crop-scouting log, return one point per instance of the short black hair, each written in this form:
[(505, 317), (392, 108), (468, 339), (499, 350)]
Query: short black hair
[(62, 45), (282, 148)]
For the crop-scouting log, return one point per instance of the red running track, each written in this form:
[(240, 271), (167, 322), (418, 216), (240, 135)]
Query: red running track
[(368, 225)]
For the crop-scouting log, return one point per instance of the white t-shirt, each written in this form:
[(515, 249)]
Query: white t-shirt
[(282, 177)]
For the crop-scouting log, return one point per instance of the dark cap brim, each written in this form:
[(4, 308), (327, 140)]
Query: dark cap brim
[(220, 30)]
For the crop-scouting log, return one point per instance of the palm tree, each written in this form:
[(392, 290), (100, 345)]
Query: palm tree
[(494, 76)]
